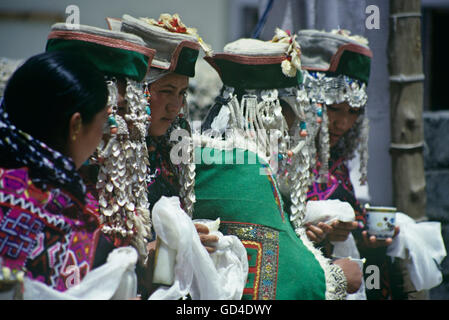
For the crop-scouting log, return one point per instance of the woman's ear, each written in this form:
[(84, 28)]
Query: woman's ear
[(75, 124)]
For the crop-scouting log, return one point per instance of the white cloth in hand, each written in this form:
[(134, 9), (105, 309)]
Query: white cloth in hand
[(115, 279), (327, 211), (221, 275), (422, 245)]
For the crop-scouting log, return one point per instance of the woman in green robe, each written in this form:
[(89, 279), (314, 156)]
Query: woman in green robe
[(257, 130)]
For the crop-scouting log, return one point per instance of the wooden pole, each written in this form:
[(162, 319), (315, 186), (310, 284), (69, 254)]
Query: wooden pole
[(406, 99)]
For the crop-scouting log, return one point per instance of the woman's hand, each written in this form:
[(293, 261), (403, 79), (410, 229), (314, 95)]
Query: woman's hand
[(352, 273), (208, 241), (373, 242), (145, 271), (317, 233), (336, 231), (341, 230)]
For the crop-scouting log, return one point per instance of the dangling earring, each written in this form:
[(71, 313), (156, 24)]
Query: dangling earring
[(303, 126), (77, 130), (182, 117), (112, 102), (111, 121), (319, 112), (184, 106), (147, 96)]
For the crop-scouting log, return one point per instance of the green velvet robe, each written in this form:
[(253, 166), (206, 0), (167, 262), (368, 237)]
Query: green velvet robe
[(246, 199)]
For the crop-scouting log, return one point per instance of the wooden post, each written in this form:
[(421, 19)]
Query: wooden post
[(406, 99)]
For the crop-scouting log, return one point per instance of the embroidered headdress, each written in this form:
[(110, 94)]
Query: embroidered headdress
[(177, 49), (337, 68), (258, 77), (177, 46)]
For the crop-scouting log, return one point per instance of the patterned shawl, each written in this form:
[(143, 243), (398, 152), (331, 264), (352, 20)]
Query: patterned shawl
[(46, 166)]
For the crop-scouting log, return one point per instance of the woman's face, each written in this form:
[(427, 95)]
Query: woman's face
[(87, 137), (341, 118), (167, 99)]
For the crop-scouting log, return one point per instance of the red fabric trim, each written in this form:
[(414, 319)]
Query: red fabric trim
[(277, 268), (256, 60), (347, 47), (113, 43), (335, 60), (175, 55), (256, 269), (251, 60), (211, 61)]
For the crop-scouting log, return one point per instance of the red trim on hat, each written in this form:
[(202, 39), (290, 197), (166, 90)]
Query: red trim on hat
[(347, 47), (251, 60), (175, 55), (211, 61), (110, 42), (335, 60)]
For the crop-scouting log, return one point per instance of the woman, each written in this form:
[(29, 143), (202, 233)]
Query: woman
[(51, 120), (164, 90), (177, 48), (252, 139), (338, 68)]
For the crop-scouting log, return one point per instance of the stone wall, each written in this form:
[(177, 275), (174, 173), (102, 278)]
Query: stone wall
[(436, 160)]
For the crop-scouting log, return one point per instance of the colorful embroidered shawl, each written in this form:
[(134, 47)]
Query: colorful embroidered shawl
[(46, 229)]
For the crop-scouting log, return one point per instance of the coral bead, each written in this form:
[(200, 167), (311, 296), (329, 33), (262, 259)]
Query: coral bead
[(303, 133), (114, 130)]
